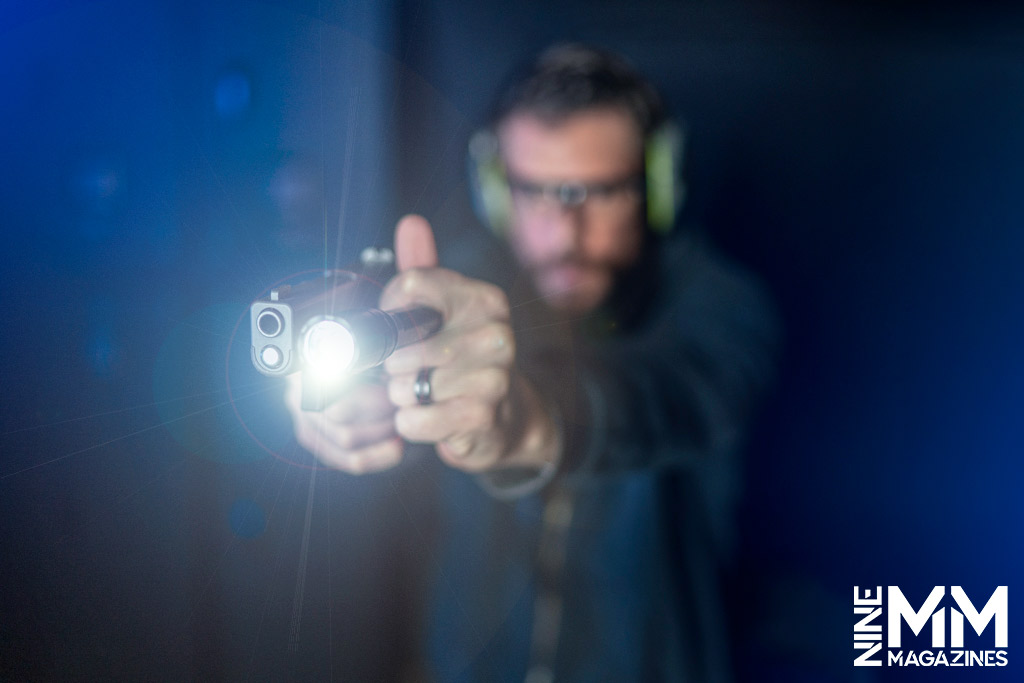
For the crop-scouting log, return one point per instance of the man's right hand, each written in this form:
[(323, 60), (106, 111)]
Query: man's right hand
[(355, 434)]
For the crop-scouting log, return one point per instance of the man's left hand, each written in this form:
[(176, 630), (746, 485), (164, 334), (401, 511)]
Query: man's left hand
[(482, 415)]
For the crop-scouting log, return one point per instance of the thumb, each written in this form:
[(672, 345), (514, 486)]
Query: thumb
[(414, 244)]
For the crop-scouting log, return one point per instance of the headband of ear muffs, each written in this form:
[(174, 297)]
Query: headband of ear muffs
[(663, 178)]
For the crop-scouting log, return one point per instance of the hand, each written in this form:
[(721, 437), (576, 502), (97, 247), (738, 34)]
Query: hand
[(355, 434), (483, 414)]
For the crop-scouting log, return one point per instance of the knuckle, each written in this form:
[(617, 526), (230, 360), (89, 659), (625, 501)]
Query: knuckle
[(411, 280), (346, 437), (406, 423), (393, 365), (501, 340), (497, 381), (395, 389), (393, 450), (403, 288), (495, 301), (459, 447), (481, 415)]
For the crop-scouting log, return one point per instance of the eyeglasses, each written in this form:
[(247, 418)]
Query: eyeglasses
[(572, 195)]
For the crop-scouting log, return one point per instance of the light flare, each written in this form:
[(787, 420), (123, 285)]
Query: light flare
[(329, 349)]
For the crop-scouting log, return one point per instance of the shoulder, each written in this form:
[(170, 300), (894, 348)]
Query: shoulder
[(690, 264), (699, 285)]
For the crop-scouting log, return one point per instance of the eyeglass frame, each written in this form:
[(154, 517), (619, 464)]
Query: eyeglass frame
[(571, 195)]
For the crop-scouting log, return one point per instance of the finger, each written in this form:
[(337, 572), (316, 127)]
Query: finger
[(491, 343), (461, 300), (373, 458), (323, 437), (443, 421), (362, 402), (353, 436), (446, 383), (414, 244), (366, 446), (381, 456), (334, 442), (469, 452), (421, 287)]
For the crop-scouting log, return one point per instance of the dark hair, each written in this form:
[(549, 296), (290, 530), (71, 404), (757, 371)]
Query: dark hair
[(570, 78)]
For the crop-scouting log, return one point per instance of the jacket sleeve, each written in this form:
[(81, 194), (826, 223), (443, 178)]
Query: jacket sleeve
[(677, 392), (680, 392)]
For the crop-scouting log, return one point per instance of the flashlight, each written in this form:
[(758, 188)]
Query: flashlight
[(335, 345), (328, 328)]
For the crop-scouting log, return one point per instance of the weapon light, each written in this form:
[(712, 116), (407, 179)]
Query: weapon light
[(328, 328)]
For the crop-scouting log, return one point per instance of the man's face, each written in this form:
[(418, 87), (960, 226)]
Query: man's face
[(577, 209)]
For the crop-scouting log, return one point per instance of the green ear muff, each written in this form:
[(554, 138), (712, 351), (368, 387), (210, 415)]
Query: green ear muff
[(492, 199), (666, 191)]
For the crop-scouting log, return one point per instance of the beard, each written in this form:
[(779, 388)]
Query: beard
[(573, 285)]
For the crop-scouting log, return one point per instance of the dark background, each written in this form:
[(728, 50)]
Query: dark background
[(163, 163)]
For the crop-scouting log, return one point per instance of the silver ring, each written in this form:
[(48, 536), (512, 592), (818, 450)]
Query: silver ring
[(421, 388)]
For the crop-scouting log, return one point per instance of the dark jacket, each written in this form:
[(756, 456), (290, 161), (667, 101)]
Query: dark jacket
[(609, 571)]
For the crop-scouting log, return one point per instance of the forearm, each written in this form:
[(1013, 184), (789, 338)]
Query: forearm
[(534, 440)]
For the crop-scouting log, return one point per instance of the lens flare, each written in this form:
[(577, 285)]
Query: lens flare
[(329, 349)]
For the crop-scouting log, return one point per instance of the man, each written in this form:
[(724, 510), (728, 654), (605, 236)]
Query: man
[(597, 401)]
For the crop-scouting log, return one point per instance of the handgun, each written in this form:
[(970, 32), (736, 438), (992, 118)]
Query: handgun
[(329, 328)]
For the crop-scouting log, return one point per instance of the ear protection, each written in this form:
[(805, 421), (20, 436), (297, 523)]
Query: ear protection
[(663, 179)]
